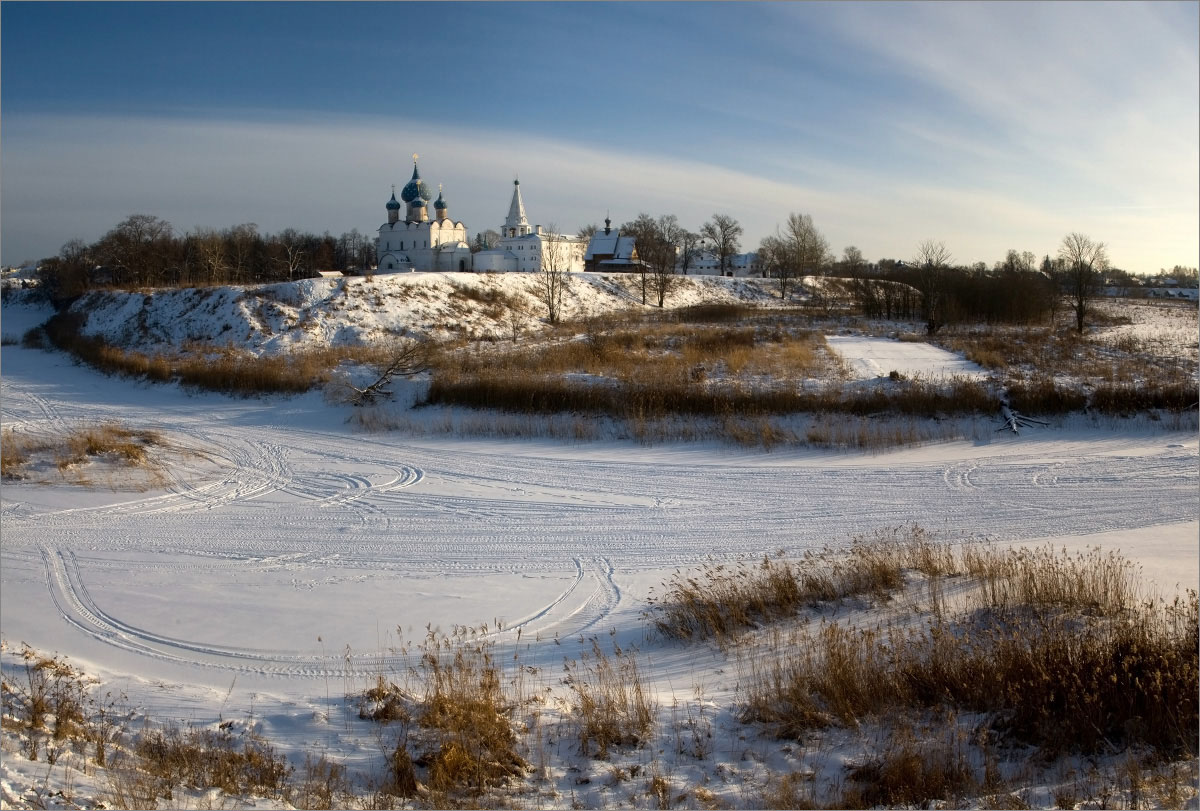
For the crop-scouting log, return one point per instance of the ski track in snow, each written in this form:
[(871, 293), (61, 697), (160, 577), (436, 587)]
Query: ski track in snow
[(260, 496)]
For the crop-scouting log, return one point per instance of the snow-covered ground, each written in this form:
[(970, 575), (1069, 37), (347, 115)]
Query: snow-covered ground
[(332, 312), (869, 358), (291, 555)]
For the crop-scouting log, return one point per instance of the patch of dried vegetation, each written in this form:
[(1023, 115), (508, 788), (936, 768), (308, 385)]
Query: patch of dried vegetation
[(22, 456)]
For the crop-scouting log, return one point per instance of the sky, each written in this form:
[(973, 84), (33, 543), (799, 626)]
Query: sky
[(985, 126)]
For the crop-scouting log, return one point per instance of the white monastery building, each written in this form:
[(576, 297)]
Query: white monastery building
[(417, 242), (440, 244), (523, 247), (739, 264)]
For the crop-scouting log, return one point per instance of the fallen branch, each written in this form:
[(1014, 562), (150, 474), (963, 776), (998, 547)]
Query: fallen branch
[(1015, 419), (410, 359)]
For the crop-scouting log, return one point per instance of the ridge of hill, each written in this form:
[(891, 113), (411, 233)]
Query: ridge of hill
[(313, 313)]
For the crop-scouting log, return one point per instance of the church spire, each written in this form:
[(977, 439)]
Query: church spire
[(516, 224)]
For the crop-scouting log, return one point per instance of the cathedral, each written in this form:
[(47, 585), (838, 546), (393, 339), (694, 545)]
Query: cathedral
[(418, 242)]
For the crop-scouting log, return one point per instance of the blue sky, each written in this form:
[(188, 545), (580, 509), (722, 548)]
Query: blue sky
[(987, 126)]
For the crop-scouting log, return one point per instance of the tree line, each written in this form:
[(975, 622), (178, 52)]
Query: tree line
[(145, 251), (929, 287)]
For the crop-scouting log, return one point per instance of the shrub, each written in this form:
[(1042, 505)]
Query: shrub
[(212, 758)]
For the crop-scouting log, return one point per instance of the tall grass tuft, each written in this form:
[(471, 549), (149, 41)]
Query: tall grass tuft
[(474, 746), (612, 705), (15, 451)]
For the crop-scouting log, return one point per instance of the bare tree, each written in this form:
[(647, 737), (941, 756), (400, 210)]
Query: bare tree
[(552, 278), (853, 262), (689, 250), (773, 254), (242, 239), (931, 267), (644, 231), (1084, 263), (66, 276), (798, 249), (210, 247), (724, 233), (809, 244), (868, 293), (291, 251), (135, 247), (586, 233), (668, 235)]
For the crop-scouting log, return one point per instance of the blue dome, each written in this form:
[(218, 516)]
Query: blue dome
[(393, 204), (415, 188), (439, 203)]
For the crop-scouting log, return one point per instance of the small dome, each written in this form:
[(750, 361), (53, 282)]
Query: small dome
[(439, 203), (393, 204), (415, 188)]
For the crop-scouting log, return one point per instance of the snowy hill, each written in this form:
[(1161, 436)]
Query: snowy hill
[(330, 312)]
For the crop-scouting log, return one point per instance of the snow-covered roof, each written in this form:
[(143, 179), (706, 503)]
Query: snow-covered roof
[(611, 244)]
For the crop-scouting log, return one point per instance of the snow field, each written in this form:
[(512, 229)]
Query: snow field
[(290, 557)]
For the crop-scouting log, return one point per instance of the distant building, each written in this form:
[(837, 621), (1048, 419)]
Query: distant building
[(610, 252), (418, 242), (523, 246), (708, 263)]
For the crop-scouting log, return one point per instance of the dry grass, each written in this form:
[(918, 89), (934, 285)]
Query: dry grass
[(793, 790), (1060, 651), (458, 741), (214, 369), (1090, 582), (174, 757), (110, 442), (49, 701), (721, 601), (677, 388), (465, 704), (911, 773), (15, 453), (1057, 371), (612, 705)]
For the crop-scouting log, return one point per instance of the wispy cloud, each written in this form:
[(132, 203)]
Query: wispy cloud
[(75, 177)]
